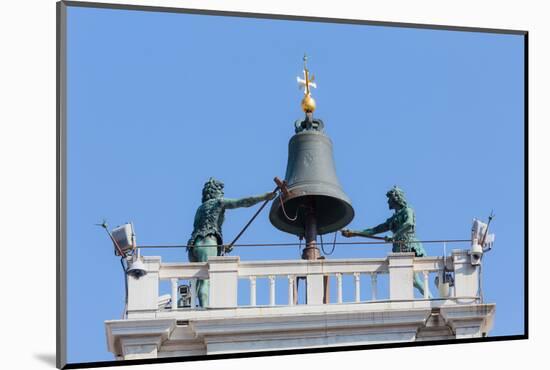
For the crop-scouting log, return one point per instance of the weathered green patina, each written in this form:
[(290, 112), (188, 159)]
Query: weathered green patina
[(206, 238), (402, 225)]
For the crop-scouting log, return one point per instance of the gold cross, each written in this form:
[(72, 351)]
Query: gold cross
[(307, 82)]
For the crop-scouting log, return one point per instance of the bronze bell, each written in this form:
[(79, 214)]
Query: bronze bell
[(315, 203)]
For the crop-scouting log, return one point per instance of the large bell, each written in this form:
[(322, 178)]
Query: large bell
[(315, 197)]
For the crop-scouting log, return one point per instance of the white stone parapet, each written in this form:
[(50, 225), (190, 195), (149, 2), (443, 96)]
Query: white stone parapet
[(225, 272), (154, 329)]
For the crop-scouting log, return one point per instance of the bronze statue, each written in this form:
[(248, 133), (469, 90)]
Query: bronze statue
[(206, 239), (402, 225)]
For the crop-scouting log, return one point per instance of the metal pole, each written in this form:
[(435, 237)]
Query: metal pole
[(487, 229), (230, 246), (311, 252)]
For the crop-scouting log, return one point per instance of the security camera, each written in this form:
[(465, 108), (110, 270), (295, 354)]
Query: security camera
[(444, 284), (476, 253), (136, 267), (184, 290), (479, 229), (185, 296)]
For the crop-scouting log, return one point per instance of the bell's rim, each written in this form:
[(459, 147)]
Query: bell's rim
[(279, 220)]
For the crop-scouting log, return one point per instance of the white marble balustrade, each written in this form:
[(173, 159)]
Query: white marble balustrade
[(225, 272)]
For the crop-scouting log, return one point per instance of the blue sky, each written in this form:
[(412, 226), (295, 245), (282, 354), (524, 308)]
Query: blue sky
[(159, 102)]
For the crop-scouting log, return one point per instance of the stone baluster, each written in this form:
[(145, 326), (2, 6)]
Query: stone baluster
[(426, 284), (252, 290), (374, 285), (193, 287), (339, 287), (174, 283), (272, 290), (291, 283), (357, 279)]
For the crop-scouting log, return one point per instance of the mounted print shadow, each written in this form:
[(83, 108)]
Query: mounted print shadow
[(249, 185)]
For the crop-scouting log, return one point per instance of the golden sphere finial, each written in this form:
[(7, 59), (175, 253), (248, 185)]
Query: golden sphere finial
[(308, 104)]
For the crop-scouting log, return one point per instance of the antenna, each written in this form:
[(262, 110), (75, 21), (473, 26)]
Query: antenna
[(491, 216)]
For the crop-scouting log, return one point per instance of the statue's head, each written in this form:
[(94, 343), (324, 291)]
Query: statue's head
[(212, 189), (396, 198)]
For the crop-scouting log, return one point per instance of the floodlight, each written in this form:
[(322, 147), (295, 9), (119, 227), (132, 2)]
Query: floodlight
[(124, 237)]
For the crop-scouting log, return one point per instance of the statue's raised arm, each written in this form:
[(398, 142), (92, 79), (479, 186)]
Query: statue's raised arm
[(382, 228), (402, 225), (248, 201), (206, 239)]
